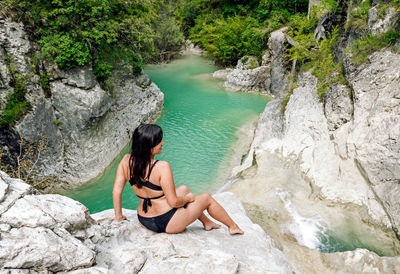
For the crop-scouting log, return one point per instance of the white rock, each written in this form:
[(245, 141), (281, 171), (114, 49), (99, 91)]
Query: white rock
[(181, 252), (23, 213), (65, 211), (222, 73), (257, 79), (378, 23), (42, 248)]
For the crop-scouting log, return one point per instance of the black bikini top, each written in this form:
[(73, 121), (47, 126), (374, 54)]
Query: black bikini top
[(148, 184)]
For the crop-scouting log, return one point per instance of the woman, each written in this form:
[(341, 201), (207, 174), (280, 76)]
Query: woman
[(162, 208)]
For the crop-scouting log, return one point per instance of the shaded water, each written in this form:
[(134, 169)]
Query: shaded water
[(199, 121)]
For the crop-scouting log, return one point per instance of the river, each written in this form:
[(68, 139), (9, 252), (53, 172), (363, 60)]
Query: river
[(200, 121)]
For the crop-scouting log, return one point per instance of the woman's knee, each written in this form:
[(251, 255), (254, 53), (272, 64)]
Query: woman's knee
[(205, 196), (183, 190)]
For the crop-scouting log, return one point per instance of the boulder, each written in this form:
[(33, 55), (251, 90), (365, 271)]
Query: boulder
[(42, 233), (248, 80), (129, 246), (36, 230), (222, 73)]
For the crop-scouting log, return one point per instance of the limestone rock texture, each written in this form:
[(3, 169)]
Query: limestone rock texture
[(379, 23), (84, 127), (43, 233), (374, 138), (345, 150)]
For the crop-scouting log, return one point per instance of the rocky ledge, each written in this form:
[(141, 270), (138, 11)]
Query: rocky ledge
[(52, 233)]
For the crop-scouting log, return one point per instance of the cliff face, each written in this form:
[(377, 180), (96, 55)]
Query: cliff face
[(348, 144), (341, 151), (84, 127), (52, 233)]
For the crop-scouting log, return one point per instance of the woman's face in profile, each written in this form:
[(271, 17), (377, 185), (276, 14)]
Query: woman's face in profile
[(158, 148)]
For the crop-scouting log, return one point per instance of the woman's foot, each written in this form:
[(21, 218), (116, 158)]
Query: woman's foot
[(209, 225), (234, 229)]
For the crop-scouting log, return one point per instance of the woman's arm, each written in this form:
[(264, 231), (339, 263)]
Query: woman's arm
[(119, 185), (168, 186)]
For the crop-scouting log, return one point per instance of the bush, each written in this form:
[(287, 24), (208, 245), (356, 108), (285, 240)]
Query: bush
[(358, 15), (80, 32), (301, 30), (17, 106), (324, 66), (228, 40), (364, 47)]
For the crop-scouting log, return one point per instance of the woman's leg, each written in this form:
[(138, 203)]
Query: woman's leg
[(183, 217), (207, 223)]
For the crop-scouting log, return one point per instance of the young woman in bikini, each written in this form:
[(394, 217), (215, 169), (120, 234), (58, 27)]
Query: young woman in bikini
[(162, 208)]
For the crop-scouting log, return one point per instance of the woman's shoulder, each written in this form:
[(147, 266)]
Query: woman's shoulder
[(125, 160), (163, 164)]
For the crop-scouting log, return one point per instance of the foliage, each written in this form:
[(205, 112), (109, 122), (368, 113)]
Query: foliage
[(57, 122), (229, 30), (358, 15), (292, 6), (301, 30), (364, 47), (324, 66), (44, 83), (169, 39), (104, 33), (17, 106), (230, 39)]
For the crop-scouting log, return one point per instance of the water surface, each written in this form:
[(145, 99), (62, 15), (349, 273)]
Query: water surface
[(199, 121)]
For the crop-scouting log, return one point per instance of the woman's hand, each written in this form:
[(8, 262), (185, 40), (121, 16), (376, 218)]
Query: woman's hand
[(118, 218), (190, 197)]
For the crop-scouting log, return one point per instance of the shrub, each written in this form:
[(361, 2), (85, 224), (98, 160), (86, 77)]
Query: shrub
[(80, 32), (358, 15), (364, 47), (16, 104), (228, 40), (324, 66), (301, 30)]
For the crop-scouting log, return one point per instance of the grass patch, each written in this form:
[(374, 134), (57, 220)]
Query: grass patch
[(358, 15), (364, 47)]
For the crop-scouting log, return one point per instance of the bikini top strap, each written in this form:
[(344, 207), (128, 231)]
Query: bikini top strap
[(151, 168)]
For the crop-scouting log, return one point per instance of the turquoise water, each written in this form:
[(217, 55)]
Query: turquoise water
[(199, 121)]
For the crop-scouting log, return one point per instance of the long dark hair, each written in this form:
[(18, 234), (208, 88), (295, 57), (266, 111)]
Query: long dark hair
[(144, 138)]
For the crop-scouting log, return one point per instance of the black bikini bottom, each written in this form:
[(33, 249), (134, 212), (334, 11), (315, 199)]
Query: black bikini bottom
[(157, 223)]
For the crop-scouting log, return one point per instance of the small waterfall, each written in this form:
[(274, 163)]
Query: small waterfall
[(307, 231)]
